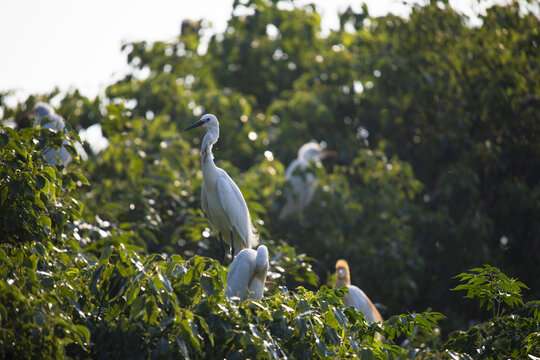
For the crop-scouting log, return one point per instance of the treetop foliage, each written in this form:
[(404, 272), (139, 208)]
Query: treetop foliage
[(434, 123)]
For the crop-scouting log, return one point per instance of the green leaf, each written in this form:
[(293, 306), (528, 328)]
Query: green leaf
[(105, 255), (49, 172), (132, 293), (71, 150), (366, 354), (137, 307), (4, 140), (207, 284), (40, 182), (338, 314), (19, 149), (96, 275), (84, 334), (165, 282), (183, 348), (79, 177), (3, 193)]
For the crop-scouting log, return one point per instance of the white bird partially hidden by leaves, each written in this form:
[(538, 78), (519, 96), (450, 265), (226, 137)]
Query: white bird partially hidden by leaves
[(247, 275), (221, 199), (356, 297), (45, 111), (301, 182)]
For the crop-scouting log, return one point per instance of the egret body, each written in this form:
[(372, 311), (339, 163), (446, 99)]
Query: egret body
[(221, 199), (247, 274), (45, 111), (356, 297), (302, 182)]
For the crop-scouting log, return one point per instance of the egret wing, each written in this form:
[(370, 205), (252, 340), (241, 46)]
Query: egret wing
[(204, 202), (240, 273), (260, 269), (360, 301), (234, 206)]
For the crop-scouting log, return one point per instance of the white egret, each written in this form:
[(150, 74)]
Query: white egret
[(356, 297), (45, 111), (302, 183), (247, 274), (221, 199)]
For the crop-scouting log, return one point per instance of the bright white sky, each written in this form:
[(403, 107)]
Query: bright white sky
[(76, 43)]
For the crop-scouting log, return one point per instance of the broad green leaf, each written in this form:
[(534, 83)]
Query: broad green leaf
[(105, 255), (4, 140), (165, 282), (41, 182)]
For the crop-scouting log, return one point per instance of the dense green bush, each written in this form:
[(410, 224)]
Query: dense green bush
[(36, 198), (514, 335), (434, 123)]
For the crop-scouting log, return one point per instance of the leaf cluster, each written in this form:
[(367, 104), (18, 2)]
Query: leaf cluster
[(492, 288), (434, 123)]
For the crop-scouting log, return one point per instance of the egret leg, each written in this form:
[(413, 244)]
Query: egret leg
[(232, 246), (222, 249)]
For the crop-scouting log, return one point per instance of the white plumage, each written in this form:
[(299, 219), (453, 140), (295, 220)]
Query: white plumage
[(221, 199), (356, 297), (360, 301), (301, 182), (45, 111), (247, 274)]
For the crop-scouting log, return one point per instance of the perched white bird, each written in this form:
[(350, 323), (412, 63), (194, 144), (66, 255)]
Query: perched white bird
[(356, 297), (45, 111), (221, 199), (302, 183), (247, 274)]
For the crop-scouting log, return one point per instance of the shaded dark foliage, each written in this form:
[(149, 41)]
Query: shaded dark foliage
[(435, 125)]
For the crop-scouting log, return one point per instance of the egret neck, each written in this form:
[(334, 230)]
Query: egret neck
[(211, 137), (343, 277)]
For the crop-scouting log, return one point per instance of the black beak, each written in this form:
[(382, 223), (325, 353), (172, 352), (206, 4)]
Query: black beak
[(197, 124), (328, 153)]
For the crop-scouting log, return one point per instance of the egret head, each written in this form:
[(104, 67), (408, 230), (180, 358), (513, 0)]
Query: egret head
[(342, 273), (310, 150), (208, 121), (313, 151), (261, 261), (43, 110)]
